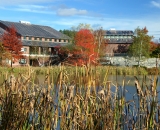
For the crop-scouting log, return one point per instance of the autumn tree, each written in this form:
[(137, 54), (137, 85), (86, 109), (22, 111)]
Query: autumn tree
[(156, 51), (12, 43), (1, 53), (87, 46), (84, 40)]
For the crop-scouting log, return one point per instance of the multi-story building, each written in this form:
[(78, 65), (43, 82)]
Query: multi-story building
[(118, 41), (40, 43)]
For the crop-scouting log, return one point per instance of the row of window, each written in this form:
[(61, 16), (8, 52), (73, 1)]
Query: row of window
[(45, 39), (108, 37), (120, 39)]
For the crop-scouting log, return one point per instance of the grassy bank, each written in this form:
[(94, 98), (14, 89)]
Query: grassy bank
[(112, 70)]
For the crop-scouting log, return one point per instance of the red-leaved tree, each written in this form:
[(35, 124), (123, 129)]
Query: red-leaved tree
[(86, 53), (153, 46), (12, 43)]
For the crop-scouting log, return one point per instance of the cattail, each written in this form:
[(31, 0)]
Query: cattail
[(102, 93), (32, 107), (139, 90), (12, 81), (71, 91)]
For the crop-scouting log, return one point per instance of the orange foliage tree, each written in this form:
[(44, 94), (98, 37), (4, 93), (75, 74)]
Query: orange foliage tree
[(153, 46), (12, 43), (86, 47)]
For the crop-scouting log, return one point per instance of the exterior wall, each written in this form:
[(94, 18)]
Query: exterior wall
[(117, 48)]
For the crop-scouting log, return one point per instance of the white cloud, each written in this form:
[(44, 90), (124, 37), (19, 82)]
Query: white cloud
[(18, 2), (156, 4), (70, 12), (31, 8)]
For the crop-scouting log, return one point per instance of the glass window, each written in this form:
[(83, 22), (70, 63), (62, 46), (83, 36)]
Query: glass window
[(116, 37), (35, 38), (30, 38), (24, 49), (22, 61), (40, 39), (44, 50), (59, 40), (24, 37), (34, 49), (50, 39)]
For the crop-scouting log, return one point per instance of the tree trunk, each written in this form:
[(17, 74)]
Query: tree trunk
[(11, 60)]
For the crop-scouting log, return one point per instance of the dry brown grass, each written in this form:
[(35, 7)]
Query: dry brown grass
[(78, 100)]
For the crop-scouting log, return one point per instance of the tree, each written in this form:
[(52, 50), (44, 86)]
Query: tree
[(1, 53), (84, 40), (141, 43), (88, 44), (100, 42), (156, 52), (12, 43), (70, 33), (82, 26)]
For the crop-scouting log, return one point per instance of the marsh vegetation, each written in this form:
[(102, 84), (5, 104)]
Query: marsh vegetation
[(80, 98)]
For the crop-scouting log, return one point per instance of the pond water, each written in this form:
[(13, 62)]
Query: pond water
[(118, 80), (130, 84)]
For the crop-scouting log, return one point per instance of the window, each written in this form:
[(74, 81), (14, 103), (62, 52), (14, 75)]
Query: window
[(44, 50), (34, 49), (46, 39), (55, 40), (59, 40), (116, 37), (50, 39), (35, 38), (64, 40), (121, 37), (23, 49), (22, 61), (24, 37), (40, 39), (30, 38)]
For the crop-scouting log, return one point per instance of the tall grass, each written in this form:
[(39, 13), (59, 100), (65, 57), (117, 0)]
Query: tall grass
[(78, 98)]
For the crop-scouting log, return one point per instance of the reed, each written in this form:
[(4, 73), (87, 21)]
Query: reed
[(80, 98)]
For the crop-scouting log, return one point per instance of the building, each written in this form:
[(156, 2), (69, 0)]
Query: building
[(118, 41), (40, 43)]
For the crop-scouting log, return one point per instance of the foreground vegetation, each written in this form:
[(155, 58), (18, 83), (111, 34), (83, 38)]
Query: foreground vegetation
[(76, 98)]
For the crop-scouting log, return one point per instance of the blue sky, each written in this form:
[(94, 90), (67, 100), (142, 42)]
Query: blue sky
[(64, 14)]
